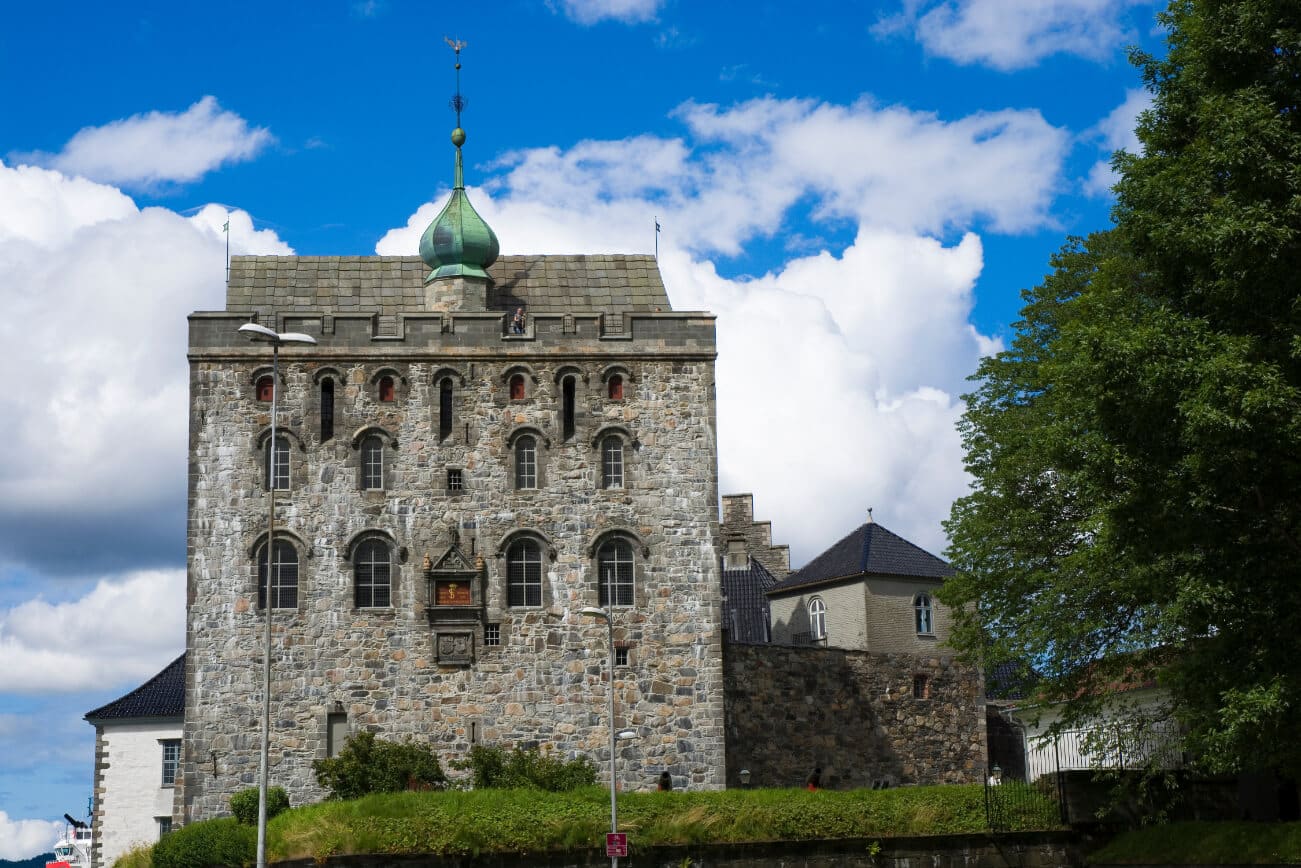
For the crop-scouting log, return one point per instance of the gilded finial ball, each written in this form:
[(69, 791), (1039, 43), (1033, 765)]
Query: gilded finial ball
[(458, 137), (458, 66)]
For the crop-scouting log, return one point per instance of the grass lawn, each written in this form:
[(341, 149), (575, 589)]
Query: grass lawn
[(1205, 844)]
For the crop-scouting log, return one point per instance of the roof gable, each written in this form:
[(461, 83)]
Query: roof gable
[(160, 696), (869, 550)]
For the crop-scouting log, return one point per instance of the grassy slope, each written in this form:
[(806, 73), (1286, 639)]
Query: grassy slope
[(1205, 844), (531, 821)]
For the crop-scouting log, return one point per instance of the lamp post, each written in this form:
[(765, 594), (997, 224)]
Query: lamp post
[(263, 334), (594, 612)]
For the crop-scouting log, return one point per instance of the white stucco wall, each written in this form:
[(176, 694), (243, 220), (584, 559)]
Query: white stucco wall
[(1120, 747), (131, 795)]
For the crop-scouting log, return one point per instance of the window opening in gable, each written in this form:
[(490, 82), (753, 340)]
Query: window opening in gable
[(327, 409), (612, 462), (526, 462), (386, 390), (923, 617), (524, 574), (373, 575), (445, 408), (817, 618), (277, 476), (616, 387), (615, 572), (265, 389), (372, 462), (567, 407), (284, 577), (517, 387)]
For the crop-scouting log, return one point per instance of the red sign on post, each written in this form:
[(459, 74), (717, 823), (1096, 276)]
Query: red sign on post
[(616, 843)]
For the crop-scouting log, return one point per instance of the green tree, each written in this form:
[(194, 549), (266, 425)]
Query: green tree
[(1136, 452), (371, 765)]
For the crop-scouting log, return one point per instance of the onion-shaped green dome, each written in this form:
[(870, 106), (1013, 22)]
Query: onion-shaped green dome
[(458, 243)]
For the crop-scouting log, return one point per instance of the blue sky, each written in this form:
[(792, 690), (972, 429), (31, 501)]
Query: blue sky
[(858, 191)]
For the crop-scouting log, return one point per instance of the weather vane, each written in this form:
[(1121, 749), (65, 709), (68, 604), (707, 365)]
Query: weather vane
[(458, 102)]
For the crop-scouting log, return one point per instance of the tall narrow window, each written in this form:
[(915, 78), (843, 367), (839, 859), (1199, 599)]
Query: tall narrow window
[(171, 760), (567, 407), (265, 388), (616, 387), (921, 687), (327, 409), (336, 732), (277, 464), (372, 462), (524, 574), (526, 462), (386, 391), (373, 575), (284, 577), (612, 462), (517, 387), (817, 619), (445, 408), (614, 571), (922, 616)]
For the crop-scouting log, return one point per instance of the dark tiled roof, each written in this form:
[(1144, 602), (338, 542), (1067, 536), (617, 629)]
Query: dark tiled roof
[(745, 607), (869, 549), (1009, 681), (160, 696), (392, 284)]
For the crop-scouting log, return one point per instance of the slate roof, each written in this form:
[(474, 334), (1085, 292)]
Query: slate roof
[(869, 549), (745, 607), (390, 284), (160, 696), (1010, 681)]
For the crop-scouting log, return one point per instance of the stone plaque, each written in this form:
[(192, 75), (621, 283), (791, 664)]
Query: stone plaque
[(454, 649)]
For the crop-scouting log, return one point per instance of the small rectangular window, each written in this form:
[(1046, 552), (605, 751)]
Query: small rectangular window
[(164, 825), (492, 635), (620, 656), (921, 687), (171, 760), (455, 481), (336, 732)]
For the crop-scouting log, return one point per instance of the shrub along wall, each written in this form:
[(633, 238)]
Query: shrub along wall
[(865, 719)]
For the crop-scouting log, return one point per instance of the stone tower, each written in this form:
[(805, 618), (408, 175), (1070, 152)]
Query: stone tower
[(453, 484)]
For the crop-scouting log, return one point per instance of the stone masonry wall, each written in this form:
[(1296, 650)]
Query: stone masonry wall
[(853, 714), (739, 524), (546, 683)]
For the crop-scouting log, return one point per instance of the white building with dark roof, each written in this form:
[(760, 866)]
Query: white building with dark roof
[(137, 757)]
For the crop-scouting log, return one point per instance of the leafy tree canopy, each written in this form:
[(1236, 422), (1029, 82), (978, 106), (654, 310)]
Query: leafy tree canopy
[(1136, 452)]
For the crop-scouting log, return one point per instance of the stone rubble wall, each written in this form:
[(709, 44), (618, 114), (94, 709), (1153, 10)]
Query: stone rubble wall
[(853, 714), (739, 524)]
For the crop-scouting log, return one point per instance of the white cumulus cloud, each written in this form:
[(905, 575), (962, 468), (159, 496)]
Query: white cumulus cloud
[(23, 839), (1014, 34), (1116, 132), (157, 147), (588, 12)]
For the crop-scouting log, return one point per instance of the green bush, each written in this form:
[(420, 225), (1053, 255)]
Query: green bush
[(371, 765), (212, 842), (244, 804), (495, 768)]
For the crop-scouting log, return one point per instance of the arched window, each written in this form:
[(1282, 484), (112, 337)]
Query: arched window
[(524, 573), (614, 569), (372, 570), (265, 389), (517, 387), (277, 470), (372, 462), (445, 408), (284, 576), (567, 407), (386, 390), (612, 462), (817, 619), (526, 462), (327, 409), (615, 387), (922, 616)]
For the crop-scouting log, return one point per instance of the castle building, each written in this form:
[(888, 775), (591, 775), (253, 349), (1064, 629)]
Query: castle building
[(476, 448)]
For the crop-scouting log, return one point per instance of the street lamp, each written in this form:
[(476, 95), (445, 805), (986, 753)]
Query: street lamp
[(594, 612), (276, 339)]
